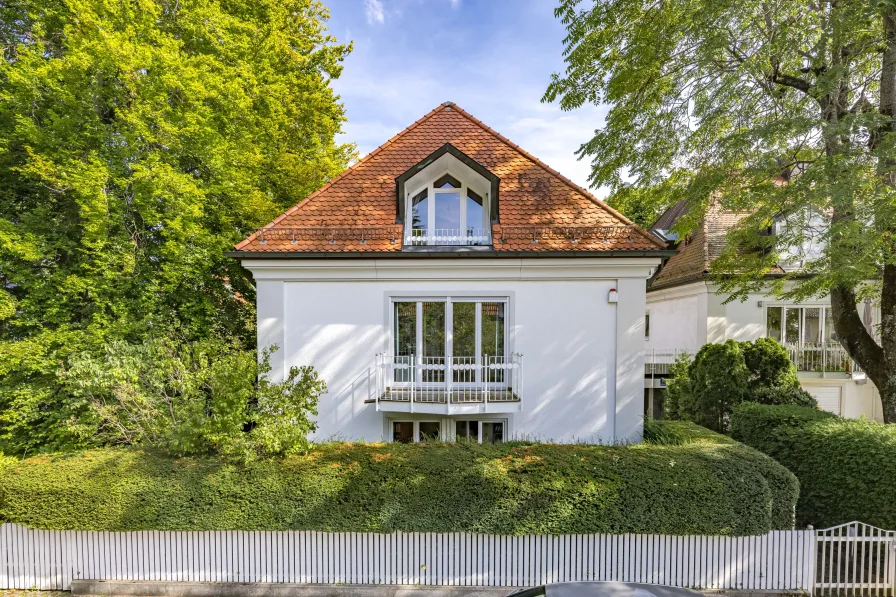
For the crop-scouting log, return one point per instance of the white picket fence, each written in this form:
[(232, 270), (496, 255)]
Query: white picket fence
[(779, 561)]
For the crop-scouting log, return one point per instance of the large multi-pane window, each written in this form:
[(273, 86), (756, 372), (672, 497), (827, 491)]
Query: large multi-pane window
[(469, 333), (800, 325)]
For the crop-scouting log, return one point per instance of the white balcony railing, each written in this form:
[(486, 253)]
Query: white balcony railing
[(659, 362), (828, 357), (447, 237), (825, 357), (449, 380)]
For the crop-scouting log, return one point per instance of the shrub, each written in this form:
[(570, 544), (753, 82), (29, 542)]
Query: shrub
[(846, 468), (191, 398), (718, 380), (664, 433), (769, 364), (783, 395), (677, 386), (722, 376), (710, 485)]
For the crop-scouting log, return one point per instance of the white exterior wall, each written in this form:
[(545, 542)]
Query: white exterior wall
[(688, 316), (583, 356), (678, 318)]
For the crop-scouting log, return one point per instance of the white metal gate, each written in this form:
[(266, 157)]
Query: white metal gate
[(855, 559)]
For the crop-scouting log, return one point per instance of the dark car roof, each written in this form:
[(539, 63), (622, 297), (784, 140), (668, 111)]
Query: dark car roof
[(615, 589)]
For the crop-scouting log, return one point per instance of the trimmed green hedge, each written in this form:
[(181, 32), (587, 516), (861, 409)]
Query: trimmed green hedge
[(846, 467), (710, 485)]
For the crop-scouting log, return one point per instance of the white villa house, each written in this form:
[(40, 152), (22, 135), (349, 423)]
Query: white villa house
[(685, 311), (450, 285)]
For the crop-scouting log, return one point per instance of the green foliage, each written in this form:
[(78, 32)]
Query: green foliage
[(678, 386), (724, 99), (769, 364), (664, 433), (718, 380), (778, 110), (783, 395), (846, 467), (138, 142), (721, 376), (190, 398), (643, 205), (709, 486)]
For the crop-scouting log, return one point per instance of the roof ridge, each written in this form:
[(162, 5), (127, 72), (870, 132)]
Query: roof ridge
[(563, 178), (341, 175)]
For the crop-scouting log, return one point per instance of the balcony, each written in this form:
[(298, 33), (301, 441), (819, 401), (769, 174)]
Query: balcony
[(810, 359), (449, 385), (823, 359)]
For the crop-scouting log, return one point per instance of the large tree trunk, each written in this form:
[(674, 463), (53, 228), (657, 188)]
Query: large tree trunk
[(861, 345), (878, 361)]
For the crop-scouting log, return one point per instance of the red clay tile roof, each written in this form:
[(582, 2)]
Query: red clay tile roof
[(355, 212)]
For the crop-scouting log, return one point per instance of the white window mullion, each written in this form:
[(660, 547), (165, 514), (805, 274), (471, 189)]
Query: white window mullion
[(418, 358), (431, 216), (478, 343), (449, 346), (463, 211)]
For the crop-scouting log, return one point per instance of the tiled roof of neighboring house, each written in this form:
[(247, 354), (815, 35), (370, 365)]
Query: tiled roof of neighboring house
[(356, 211), (697, 251), (670, 216)]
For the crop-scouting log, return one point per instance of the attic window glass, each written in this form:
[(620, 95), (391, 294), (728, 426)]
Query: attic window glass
[(475, 218), (420, 214), (447, 212)]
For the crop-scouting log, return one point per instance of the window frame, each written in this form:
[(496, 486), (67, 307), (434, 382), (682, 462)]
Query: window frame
[(482, 421), (432, 192), (449, 301), (416, 424), (801, 307)]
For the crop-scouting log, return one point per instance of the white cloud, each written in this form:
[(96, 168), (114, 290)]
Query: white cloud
[(374, 11), (455, 3)]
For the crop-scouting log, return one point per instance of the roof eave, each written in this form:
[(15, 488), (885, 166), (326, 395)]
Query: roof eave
[(442, 254)]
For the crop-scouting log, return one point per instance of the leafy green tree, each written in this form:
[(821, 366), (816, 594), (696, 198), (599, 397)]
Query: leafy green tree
[(189, 398), (678, 386), (780, 108), (718, 381), (138, 142)]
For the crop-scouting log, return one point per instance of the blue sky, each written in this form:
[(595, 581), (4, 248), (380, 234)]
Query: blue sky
[(493, 58)]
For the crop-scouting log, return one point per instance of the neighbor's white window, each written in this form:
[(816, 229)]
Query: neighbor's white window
[(447, 211), (800, 325)]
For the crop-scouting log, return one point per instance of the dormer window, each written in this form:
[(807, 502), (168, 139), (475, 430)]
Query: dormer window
[(447, 212), (446, 200)]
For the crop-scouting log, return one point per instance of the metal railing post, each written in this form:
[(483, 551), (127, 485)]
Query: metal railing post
[(485, 401), (449, 379)]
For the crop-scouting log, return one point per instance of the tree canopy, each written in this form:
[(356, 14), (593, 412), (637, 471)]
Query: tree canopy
[(782, 109), (138, 142)]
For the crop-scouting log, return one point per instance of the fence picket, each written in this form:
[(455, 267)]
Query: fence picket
[(852, 558)]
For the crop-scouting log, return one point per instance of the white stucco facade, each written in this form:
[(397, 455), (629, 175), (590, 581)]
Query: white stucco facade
[(583, 355), (688, 316)]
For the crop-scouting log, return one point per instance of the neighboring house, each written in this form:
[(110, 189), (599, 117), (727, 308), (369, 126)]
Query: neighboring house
[(451, 285), (685, 312)]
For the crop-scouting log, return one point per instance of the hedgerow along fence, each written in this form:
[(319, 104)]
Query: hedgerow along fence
[(853, 559)]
